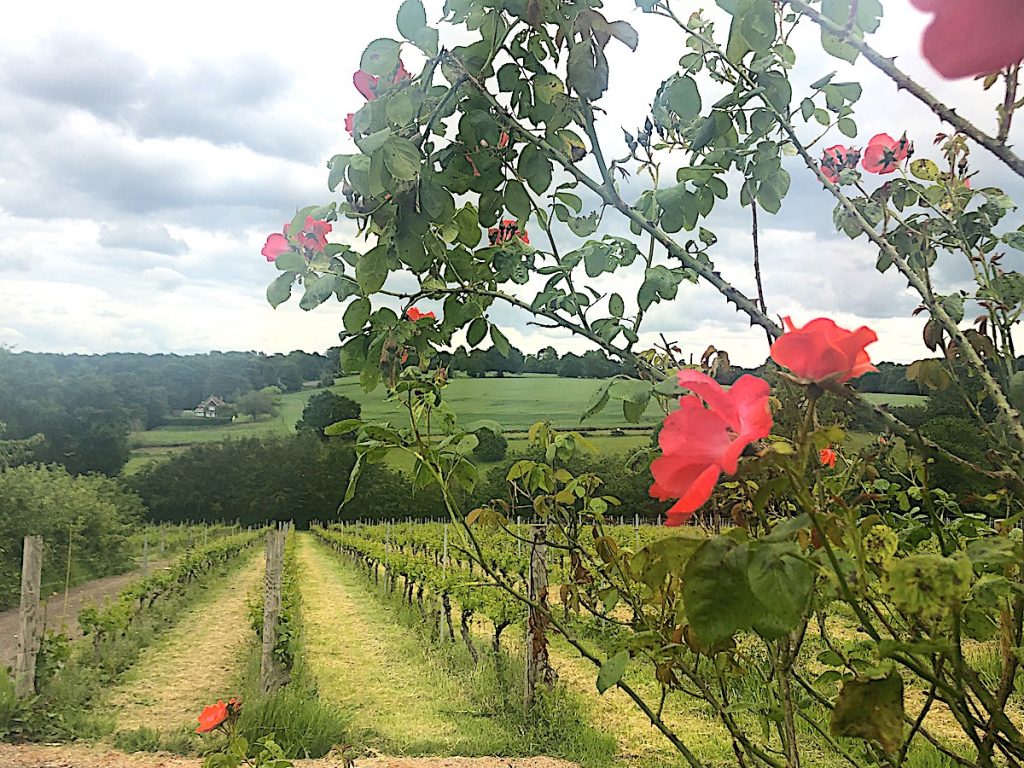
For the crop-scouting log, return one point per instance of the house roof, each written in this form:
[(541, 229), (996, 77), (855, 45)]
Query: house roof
[(211, 400)]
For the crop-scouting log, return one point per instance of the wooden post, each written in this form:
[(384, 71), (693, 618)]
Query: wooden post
[(519, 534), (636, 528), (145, 554), (270, 674), (31, 624), (538, 666)]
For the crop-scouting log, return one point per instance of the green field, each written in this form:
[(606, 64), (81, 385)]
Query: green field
[(516, 402)]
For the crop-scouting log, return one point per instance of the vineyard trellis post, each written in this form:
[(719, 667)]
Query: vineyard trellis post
[(30, 628), (145, 553), (270, 674), (538, 666)]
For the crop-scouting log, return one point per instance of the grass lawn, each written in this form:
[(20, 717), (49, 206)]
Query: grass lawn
[(514, 401)]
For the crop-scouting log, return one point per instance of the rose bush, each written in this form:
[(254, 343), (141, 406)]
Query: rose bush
[(498, 133)]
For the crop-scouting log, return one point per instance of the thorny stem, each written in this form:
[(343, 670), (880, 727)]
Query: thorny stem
[(993, 144), (755, 237)]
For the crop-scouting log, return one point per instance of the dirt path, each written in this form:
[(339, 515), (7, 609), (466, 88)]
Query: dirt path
[(32, 756), (95, 591), (366, 661), (195, 663)]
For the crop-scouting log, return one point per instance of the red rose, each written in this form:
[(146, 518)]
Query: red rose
[(822, 351), (837, 158), (884, 154), (367, 84), (212, 716), (828, 457), (414, 314), (699, 443), (276, 245), (350, 122), (507, 231), (314, 234), (975, 37)]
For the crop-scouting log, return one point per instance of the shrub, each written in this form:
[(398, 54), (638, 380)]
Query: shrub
[(491, 445)]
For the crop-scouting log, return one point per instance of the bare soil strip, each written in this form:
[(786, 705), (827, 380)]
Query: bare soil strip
[(197, 662), (91, 592), (79, 756)]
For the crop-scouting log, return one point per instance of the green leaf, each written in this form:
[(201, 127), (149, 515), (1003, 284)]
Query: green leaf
[(546, 87), (356, 315), (684, 98), (338, 165), (924, 169), (717, 596), (616, 305), (632, 411), (598, 400), (290, 261), (280, 289), (588, 70), (847, 127), (372, 270), (402, 158), (871, 709), (612, 670), (380, 58), (412, 24), (782, 582), (500, 342), (517, 200), (318, 289), (536, 169), (399, 109), (1014, 240), (476, 331)]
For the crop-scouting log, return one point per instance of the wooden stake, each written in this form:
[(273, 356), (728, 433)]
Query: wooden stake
[(270, 674), (30, 632), (538, 666)]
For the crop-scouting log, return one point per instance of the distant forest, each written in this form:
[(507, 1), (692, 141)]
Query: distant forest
[(85, 405)]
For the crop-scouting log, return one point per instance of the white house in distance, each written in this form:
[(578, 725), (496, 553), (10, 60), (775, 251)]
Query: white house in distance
[(209, 407)]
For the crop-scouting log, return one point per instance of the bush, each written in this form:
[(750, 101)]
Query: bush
[(962, 438), (491, 446), (324, 409), (98, 513)]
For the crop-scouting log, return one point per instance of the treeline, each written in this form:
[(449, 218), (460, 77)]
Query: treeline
[(304, 478), (891, 378), (85, 405), (298, 477)]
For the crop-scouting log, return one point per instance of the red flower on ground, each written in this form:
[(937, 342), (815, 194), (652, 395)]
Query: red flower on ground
[(698, 444), (884, 154), (314, 234), (212, 716), (837, 158), (972, 38), (414, 314), (275, 246), (822, 351), (506, 231), (828, 457)]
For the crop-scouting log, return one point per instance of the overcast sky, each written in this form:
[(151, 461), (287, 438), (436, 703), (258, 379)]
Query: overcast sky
[(145, 155)]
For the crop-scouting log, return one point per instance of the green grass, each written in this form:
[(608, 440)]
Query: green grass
[(516, 402)]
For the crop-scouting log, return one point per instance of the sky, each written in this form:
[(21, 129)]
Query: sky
[(145, 156)]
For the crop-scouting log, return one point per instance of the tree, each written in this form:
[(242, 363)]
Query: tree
[(324, 409), (491, 446), (260, 402)]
